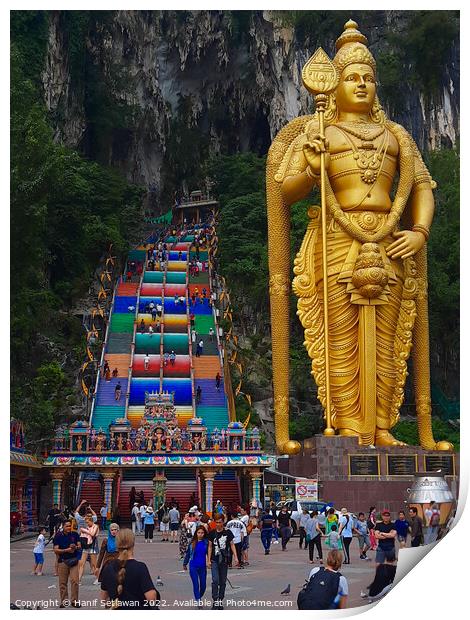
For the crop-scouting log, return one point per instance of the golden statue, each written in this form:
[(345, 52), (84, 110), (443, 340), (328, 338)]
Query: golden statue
[(374, 246)]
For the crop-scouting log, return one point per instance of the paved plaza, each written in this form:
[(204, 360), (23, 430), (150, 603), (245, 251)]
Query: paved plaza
[(257, 586)]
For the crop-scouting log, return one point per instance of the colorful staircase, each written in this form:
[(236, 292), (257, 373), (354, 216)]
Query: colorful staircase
[(173, 334), (227, 489), (92, 491)]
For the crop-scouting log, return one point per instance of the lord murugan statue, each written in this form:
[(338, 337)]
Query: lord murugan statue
[(366, 249)]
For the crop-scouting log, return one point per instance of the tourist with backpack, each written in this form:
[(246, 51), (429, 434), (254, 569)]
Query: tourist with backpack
[(432, 516), (164, 519), (326, 588)]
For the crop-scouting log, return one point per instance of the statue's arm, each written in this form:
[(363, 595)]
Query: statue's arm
[(421, 204), (297, 186)]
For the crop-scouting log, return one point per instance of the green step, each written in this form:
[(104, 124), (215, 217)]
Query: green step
[(137, 255), (176, 277), (103, 415), (119, 343), (153, 276), (122, 323), (213, 417), (177, 342), (203, 322), (203, 255), (146, 343), (201, 278)]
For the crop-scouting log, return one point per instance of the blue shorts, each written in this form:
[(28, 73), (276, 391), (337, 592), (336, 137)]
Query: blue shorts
[(39, 558)]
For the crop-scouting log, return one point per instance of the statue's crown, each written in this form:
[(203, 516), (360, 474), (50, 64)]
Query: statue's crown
[(352, 48)]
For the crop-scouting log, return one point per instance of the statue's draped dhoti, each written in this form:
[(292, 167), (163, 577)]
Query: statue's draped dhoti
[(369, 338)]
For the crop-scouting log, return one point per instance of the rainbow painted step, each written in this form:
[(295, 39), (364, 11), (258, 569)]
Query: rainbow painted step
[(214, 417), (103, 415), (105, 395), (155, 277), (122, 323)]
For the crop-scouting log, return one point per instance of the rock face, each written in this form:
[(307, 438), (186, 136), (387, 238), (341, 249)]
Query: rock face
[(159, 90)]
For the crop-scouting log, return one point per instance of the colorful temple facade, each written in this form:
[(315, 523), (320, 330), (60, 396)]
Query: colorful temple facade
[(162, 419)]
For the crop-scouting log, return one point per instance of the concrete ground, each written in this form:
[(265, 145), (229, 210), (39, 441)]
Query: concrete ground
[(257, 586)]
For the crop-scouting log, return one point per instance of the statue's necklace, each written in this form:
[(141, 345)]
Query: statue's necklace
[(366, 132), (368, 158)]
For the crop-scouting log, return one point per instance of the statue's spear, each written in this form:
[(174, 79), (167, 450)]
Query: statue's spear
[(320, 77)]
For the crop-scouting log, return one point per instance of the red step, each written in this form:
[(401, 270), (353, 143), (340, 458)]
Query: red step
[(92, 492), (126, 485), (228, 491), (181, 490), (127, 289)]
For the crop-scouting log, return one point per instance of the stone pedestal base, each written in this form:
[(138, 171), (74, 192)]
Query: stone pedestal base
[(358, 477)]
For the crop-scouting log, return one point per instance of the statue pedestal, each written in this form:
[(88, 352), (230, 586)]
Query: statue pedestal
[(358, 477)]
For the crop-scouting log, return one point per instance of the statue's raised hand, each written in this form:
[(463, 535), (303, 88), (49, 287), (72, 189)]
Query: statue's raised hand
[(316, 145), (407, 244)]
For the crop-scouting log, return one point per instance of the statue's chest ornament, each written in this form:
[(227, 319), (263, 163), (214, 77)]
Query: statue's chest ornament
[(368, 158)]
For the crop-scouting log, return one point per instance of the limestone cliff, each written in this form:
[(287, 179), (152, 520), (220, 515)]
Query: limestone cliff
[(154, 92)]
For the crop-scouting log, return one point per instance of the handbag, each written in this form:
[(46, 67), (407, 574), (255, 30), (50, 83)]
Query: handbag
[(70, 562)]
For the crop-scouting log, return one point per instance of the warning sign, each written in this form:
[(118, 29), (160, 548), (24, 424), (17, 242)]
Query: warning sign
[(306, 489)]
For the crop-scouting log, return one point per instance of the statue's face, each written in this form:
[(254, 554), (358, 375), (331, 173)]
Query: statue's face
[(356, 89)]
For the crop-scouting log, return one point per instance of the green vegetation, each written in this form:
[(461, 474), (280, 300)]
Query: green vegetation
[(407, 431), (65, 211), (444, 272)]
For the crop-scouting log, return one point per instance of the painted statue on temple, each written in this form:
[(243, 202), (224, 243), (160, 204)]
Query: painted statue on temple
[(112, 443), (119, 443), (361, 272), (79, 444)]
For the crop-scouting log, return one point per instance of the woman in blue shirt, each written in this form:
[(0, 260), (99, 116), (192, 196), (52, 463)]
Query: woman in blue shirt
[(196, 556)]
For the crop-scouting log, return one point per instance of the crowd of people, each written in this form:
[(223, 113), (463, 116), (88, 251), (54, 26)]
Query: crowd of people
[(220, 541)]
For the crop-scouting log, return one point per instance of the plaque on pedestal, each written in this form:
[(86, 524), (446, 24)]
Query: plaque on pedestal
[(443, 462), (364, 465), (402, 464)]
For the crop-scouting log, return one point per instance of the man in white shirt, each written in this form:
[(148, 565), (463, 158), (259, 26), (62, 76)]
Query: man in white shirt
[(135, 519), (238, 529)]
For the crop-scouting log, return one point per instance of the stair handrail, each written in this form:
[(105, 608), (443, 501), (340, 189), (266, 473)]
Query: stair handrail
[(224, 367), (162, 322), (103, 351), (190, 336), (131, 361)]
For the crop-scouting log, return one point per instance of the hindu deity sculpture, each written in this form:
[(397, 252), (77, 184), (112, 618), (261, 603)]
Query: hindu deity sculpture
[(361, 272)]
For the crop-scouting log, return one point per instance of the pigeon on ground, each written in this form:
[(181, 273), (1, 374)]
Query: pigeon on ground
[(286, 590)]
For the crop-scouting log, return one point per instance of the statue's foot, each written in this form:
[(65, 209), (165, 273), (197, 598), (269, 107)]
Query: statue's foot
[(385, 439), (289, 447), (445, 446)]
